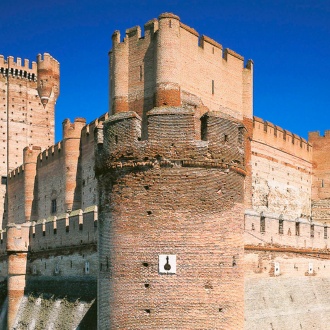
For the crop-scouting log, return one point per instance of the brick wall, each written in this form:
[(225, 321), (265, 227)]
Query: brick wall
[(176, 195), (281, 171), (26, 118)]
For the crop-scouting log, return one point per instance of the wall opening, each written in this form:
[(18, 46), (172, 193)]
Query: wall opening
[(54, 206), (297, 229), (262, 224), (280, 226), (312, 231), (204, 128)]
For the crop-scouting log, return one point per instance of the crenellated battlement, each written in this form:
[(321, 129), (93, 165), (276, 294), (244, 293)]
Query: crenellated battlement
[(24, 69), (172, 65), (88, 130), (73, 130), (10, 62), (264, 229), (277, 137), (172, 141), (67, 230), (46, 61)]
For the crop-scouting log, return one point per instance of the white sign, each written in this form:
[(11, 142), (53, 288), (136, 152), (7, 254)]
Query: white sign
[(167, 264), (277, 270)]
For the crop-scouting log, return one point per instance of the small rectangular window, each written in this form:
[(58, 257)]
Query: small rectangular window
[(325, 232), (297, 229), (3, 180), (280, 227), (212, 87), (312, 231), (54, 206), (262, 224)]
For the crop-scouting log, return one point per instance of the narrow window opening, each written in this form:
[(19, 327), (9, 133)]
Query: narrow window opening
[(225, 138), (204, 128), (262, 224), (107, 262), (43, 233), (67, 229), (312, 231), (116, 139), (240, 134), (212, 50), (170, 23), (322, 183), (80, 226), (212, 87), (54, 206), (280, 227), (325, 232), (297, 229), (3, 180)]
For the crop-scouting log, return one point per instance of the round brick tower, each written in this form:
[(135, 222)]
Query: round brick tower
[(171, 222)]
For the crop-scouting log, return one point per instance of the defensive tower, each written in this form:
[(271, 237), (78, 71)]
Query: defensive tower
[(29, 93), (171, 182)]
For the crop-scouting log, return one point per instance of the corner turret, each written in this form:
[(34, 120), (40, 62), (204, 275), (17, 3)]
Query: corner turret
[(47, 77)]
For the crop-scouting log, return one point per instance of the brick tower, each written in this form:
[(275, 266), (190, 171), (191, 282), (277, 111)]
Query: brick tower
[(171, 177), (29, 94)]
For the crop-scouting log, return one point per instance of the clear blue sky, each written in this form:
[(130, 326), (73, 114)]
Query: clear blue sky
[(289, 41)]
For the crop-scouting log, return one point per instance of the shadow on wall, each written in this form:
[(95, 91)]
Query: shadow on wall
[(3, 313)]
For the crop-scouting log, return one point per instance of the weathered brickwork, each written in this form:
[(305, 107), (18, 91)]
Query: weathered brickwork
[(174, 195), (281, 171), (296, 298), (28, 97), (180, 169)]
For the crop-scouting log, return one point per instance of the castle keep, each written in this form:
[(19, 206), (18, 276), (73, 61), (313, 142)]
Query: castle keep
[(177, 209)]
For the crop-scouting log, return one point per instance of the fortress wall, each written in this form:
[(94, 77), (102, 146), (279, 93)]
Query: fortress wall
[(281, 172), (50, 180), (264, 229), (295, 299), (132, 69), (172, 65), (203, 61), (16, 195), (25, 120), (89, 191), (321, 176), (59, 174), (270, 134), (78, 229)]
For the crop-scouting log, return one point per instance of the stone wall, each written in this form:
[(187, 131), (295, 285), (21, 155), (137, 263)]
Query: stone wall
[(281, 171), (296, 298)]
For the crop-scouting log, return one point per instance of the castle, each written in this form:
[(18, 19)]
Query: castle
[(177, 209)]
